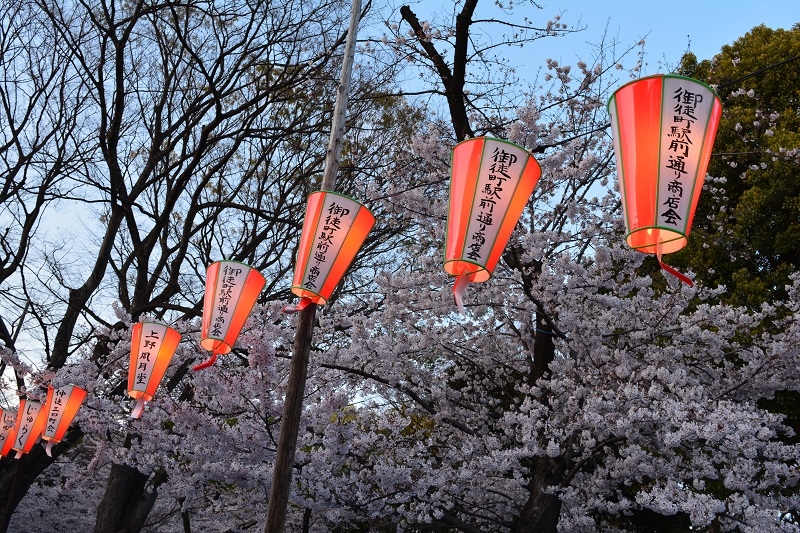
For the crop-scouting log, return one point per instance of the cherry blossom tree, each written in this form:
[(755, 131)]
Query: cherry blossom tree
[(581, 391)]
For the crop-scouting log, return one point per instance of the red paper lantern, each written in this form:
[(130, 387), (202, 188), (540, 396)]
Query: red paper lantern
[(61, 406), (663, 128), (30, 421), (152, 347), (334, 229), (232, 289), (8, 420), (492, 181)]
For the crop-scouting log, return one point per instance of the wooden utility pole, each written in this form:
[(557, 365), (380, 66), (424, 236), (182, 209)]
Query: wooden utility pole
[(293, 404)]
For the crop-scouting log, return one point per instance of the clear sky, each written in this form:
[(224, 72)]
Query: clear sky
[(669, 27)]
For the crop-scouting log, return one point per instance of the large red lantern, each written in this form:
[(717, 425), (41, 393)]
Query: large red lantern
[(152, 347), (8, 420), (232, 289), (334, 229), (61, 406), (663, 129), (30, 421), (492, 181)]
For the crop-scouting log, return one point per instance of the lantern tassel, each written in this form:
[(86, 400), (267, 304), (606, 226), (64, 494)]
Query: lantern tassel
[(671, 270), (292, 309), (459, 287), (48, 449), (19, 454), (138, 409), (207, 363)]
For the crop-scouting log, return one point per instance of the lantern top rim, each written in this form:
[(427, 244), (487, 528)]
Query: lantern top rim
[(342, 195), (679, 76), (232, 261), (156, 322), (498, 139)]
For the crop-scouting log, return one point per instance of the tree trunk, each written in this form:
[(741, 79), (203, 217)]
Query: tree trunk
[(17, 475), (454, 80), (126, 504), (541, 511)]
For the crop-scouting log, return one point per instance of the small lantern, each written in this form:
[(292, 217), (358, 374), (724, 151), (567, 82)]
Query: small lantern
[(8, 420), (334, 229), (663, 128), (30, 421), (492, 181), (152, 348), (61, 407), (232, 289)]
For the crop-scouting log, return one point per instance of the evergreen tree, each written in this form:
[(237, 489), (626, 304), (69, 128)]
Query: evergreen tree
[(746, 234)]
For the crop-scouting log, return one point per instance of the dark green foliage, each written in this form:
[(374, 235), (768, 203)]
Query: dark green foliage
[(746, 233)]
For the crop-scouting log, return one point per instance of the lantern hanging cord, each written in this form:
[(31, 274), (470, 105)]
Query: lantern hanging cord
[(392, 195), (727, 83), (757, 72), (608, 125)]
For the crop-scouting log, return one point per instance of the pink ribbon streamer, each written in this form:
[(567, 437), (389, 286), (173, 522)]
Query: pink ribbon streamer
[(207, 363), (671, 270), (138, 409), (459, 286), (292, 309)]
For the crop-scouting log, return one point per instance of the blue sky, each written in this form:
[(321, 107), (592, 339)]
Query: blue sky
[(704, 25)]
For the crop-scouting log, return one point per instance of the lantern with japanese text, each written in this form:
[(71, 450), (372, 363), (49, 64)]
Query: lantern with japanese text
[(663, 128), (8, 420), (334, 229), (232, 289), (30, 421), (491, 182), (152, 347), (61, 406)]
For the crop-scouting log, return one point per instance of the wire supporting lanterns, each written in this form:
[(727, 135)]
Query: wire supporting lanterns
[(8, 420), (663, 128), (61, 406), (232, 289), (152, 346), (491, 182), (30, 421), (334, 229)]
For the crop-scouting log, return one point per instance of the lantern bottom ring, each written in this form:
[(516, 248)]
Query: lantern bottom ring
[(457, 267), (656, 239)]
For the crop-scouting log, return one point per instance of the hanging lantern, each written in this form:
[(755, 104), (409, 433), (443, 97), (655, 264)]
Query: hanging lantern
[(663, 128), (334, 229), (30, 421), (232, 289), (61, 406), (152, 348), (491, 183), (8, 433)]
